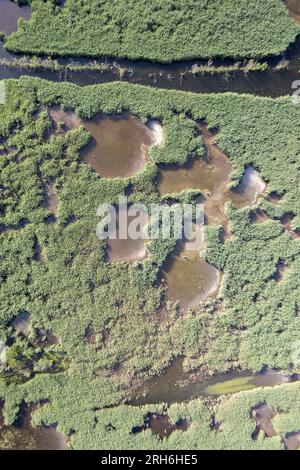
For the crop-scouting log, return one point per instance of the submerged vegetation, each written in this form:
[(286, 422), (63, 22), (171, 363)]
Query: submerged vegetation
[(161, 31), (53, 267)]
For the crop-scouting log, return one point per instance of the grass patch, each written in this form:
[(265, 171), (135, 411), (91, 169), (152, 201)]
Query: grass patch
[(161, 31), (71, 290)]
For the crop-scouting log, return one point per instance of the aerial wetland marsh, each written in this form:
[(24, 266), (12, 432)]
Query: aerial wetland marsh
[(149, 343)]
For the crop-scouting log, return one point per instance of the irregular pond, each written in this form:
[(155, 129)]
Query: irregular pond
[(9, 15), (119, 145), (189, 278), (24, 436), (10, 12), (161, 425), (176, 385), (122, 246), (263, 416), (211, 176), (208, 174), (292, 441), (21, 323), (294, 9)]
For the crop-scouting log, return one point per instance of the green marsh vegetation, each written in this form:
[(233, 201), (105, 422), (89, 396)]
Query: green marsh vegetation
[(161, 31), (107, 316)]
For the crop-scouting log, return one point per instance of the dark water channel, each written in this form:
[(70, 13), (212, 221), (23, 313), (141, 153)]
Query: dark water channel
[(275, 81)]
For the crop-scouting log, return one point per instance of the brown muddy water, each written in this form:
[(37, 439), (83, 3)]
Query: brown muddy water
[(119, 145), (24, 436), (9, 14), (65, 119), (263, 416), (211, 176), (161, 425), (190, 279), (124, 246), (176, 385), (294, 9), (292, 441)]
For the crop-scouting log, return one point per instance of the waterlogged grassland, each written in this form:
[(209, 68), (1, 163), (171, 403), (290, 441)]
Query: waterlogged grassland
[(162, 31), (113, 326)]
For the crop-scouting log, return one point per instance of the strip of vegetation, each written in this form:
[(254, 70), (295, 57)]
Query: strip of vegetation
[(58, 272), (161, 31)]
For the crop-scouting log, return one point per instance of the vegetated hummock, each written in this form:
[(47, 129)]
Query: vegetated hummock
[(105, 316), (160, 30)]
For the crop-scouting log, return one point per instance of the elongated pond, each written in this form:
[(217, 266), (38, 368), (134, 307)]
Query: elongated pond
[(176, 385)]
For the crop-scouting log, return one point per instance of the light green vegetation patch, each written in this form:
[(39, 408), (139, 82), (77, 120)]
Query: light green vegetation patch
[(105, 315), (160, 30)]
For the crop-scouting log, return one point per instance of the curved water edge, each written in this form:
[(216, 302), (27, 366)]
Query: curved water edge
[(176, 385), (23, 435)]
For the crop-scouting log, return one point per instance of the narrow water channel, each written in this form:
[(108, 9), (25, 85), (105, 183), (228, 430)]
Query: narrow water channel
[(275, 81)]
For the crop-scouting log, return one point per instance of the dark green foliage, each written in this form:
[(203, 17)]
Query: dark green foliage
[(106, 315), (160, 30)]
